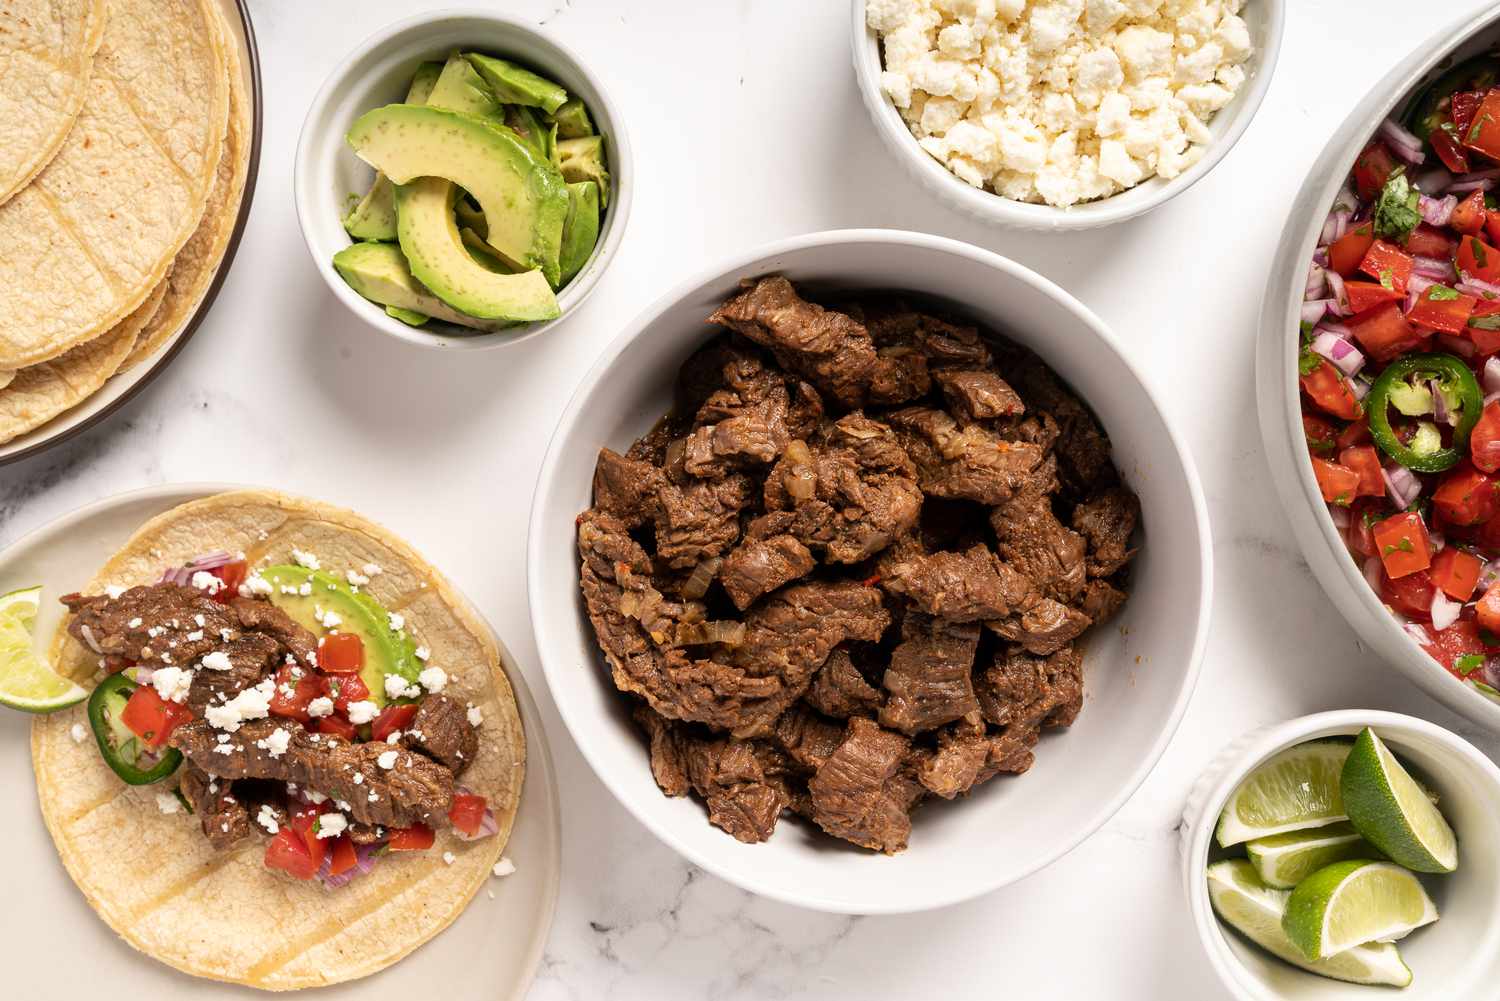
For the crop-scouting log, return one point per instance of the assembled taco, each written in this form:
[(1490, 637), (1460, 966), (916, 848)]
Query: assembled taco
[(301, 757)]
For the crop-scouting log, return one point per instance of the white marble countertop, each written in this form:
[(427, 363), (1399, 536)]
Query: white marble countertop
[(747, 127)]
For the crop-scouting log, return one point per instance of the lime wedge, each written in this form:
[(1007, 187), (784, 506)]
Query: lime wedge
[(1284, 860), (1254, 910), (1350, 903), (1292, 791), (26, 682), (1393, 812)]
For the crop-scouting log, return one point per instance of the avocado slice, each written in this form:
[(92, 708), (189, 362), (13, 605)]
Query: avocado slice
[(434, 250), (524, 200), (378, 272), (470, 218), (484, 253), (525, 122), (572, 119), (374, 218), (410, 317), (459, 88), (516, 85), (582, 159), (581, 229), (387, 651)]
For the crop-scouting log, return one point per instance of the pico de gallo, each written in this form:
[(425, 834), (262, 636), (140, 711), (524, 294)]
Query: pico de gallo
[(1400, 368)]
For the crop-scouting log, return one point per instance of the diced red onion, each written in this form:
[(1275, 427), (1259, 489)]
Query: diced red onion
[(1439, 405), (88, 637), (183, 575), (1415, 286), (1491, 398), (1444, 610), (1320, 257), (364, 862), (1340, 305), (1402, 143), (1464, 187), (1493, 174), (1416, 632), (1360, 387), (1317, 283), (1432, 182), (1334, 227), (1475, 287), (487, 826), (1458, 345), (1437, 211), (1488, 574), (1340, 516), (1345, 199), (1315, 310), (1492, 672), (1438, 541), (1345, 356), (1401, 484), (1491, 375), (1433, 268), (1373, 571)]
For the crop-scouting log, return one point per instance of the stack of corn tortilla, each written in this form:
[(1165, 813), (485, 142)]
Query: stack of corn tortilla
[(126, 154)]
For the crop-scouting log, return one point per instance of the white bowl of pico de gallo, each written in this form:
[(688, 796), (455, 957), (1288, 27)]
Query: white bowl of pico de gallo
[(1379, 368)]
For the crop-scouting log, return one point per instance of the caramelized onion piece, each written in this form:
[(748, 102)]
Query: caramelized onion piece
[(723, 631), (696, 586), (801, 479)]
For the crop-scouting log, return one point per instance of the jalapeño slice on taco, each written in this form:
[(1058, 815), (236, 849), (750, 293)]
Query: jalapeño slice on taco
[(290, 711)]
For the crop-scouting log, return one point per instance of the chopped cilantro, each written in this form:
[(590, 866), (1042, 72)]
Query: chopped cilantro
[(1486, 689), (1481, 257), (1308, 362), (1387, 280), (1396, 212), (1478, 125), (1466, 664), (1490, 321), (1404, 546), (1442, 293)]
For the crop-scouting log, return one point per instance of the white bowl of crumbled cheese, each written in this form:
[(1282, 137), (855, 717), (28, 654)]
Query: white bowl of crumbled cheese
[(1063, 114)]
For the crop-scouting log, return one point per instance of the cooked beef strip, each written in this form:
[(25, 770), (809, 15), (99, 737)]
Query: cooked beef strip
[(1107, 520), (1101, 600), (1044, 627), (626, 488), (929, 679), (728, 774), (225, 820), (852, 794), (760, 566), (442, 731), (1035, 544), (700, 520), (957, 764), (807, 738), (170, 625), (959, 587), (416, 789), (668, 750), (1082, 444), (978, 394), (971, 463), (852, 490), (743, 423), (839, 690), (1022, 690), (832, 350)]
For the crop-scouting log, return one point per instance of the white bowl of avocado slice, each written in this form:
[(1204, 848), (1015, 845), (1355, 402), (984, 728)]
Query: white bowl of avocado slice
[(462, 180)]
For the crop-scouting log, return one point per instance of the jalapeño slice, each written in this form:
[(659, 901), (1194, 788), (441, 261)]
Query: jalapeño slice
[(1453, 377), (122, 750)]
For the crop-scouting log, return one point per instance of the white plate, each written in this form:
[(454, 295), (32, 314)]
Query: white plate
[(491, 952)]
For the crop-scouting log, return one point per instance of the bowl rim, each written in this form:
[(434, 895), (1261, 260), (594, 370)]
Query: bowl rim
[(1279, 400), (997, 209), (1251, 750), (200, 312), (572, 296), (554, 667)]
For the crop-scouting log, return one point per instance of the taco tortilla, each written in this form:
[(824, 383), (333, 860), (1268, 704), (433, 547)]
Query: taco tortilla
[(250, 910)]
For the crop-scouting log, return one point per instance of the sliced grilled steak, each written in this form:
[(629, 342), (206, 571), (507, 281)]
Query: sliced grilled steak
[(225, 820), (760, 566), (699, 520), (1035, 544), (839, 690), (414, 789), (979, 394), (729, 775), (972, 463), (807, 738), (853, 794), (442, 731), (959, 587)]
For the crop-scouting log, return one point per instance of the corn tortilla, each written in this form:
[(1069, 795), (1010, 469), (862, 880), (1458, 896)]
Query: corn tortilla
[(95, 232), (154, 879), (46, 56)]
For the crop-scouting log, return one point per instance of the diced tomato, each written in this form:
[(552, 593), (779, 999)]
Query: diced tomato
[(1470, 216), (341, 653), (410, 839), (1484, 440), (1459, 648), (1362, 516), (152, 718), (391, 719), (1388, 264), (337, 726), (1321, 435), (1478, 259), (1462, 107), (344, 689), (342, 858), (304, 820), (1442, 308), (1492, 226), (1345, 253), (1484, 132), (1455, 572), (1402, 544), (1466, 496), (1448, 150), (1410, 595), (1365, 462), (1368, 295), (1484, 326), (1487, 611), (1373, 168), (1330, 391), (1356, 433), (1385, 332), (1429, 241), (1338, 483), (467, 812), (289, 853), (232, 574), (295, 688)]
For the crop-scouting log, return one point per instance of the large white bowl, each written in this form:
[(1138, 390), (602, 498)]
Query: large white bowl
[(1457, 958), (1265, 19), (1140, 670), (378, 72), (1276, 373)]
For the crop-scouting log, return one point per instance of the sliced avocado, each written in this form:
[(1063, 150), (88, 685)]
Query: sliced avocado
[(470, 217), (387, 651), (459, 88), (552, 155), (572, 119), (524, 200), (378, 272), (422, 82), (515, 85), (436, 255), (525, 122), (583, 160), (484, 253), (410, 317), (374, 218), (581, 229)]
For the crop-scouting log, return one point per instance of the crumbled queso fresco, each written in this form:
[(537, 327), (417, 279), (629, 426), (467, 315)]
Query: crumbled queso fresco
[(1061, 101)]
